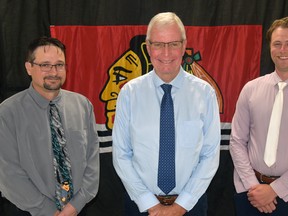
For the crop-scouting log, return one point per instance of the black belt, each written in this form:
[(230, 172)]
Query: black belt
[(167, 199)]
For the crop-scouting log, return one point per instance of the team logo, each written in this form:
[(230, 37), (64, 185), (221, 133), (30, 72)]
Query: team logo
[(135, 62)]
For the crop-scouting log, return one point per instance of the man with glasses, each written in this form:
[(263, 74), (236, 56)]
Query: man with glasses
[(166, 109), (49, 158)]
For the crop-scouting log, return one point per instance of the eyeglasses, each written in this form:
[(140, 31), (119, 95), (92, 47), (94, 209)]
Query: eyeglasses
[(161, 45), (48, 67)]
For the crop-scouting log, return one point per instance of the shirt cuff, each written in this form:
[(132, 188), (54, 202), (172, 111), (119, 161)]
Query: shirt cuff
[(49, 208), (186, 200), (78, 202), (146, 201), (280, 189), (249, 182)]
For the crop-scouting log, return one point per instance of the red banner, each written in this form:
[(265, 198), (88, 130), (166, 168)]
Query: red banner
[(101, 59)]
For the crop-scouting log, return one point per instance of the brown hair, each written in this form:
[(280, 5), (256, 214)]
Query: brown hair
[(283, 23), (43, 41)]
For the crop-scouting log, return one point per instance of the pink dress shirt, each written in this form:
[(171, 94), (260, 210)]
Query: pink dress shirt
[(249, 132)]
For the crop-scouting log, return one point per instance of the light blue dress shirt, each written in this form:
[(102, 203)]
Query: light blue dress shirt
[(136, 138)]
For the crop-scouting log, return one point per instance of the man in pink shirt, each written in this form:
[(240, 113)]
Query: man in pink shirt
[(262, 189)]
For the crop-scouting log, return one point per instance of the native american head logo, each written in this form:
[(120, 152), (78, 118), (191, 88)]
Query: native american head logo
[(135, 62)]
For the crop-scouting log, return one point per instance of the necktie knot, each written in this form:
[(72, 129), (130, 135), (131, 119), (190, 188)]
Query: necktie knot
[(282, 85), (52, 106), (166, 88)]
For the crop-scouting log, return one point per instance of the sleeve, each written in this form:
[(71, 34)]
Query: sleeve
[(90, 181), (239, 140), (15, 184), (208, 158), (280, 187), (123, 152)]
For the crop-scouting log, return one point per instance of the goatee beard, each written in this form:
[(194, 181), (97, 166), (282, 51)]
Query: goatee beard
[(52, 87)]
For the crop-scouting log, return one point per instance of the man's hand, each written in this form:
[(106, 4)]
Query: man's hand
[(268, 208), (56, 213), (262, 197), (68, 210), (162, 210)]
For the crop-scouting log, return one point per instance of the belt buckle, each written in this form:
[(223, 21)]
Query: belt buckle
[(166, 200), (261, 179)]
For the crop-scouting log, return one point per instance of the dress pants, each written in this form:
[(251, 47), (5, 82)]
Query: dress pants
[(200, 209), (244, 208), (9, 209)]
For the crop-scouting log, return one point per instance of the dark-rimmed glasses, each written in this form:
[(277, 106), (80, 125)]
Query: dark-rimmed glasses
[(161, 45), (45, 67)]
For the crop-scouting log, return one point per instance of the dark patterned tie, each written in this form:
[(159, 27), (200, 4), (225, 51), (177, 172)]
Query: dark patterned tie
[(61, 161), (166, 168)]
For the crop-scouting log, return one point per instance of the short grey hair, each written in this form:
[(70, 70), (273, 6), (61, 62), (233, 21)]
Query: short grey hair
[(165, 18)]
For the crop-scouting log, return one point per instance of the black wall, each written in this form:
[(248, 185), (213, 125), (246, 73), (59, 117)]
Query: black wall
[(23, 20)]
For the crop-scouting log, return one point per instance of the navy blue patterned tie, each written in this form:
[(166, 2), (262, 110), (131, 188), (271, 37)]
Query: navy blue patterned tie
[(61, 161), (166, 167)]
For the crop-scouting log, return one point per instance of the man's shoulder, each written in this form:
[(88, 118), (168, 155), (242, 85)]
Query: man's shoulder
[(72, 94), (141, 79), (74, 97), (14, 100), (139, 82), (194, 81), (259, 81)]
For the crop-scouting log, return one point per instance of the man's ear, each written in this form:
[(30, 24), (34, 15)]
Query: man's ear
[(146, 54), (184, 46), (28, 66)]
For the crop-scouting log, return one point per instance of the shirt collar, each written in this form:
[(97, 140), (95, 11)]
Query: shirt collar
[(40, 100), (275, 79), (176, 82)]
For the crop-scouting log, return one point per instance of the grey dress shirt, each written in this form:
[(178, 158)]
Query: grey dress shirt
[(26, 169)]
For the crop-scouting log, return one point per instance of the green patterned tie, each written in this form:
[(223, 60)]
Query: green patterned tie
[(61, 161)]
